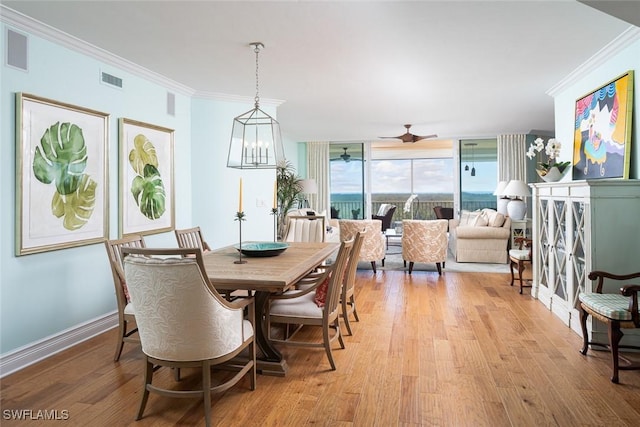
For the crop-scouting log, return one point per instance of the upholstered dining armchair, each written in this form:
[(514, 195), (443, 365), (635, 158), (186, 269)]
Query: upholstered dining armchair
[(315, 303), (191, 238), (617, 310), (184, 322), (126, 312), (424, 241), (385, 214), (373, 245)]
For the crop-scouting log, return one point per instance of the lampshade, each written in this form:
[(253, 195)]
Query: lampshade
[(516, 188), (256, 142), (500, 189), (309, 186)]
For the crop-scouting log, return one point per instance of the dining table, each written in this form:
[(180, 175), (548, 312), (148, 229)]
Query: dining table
[(265, 276)]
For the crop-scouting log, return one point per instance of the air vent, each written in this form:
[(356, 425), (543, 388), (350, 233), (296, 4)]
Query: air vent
[(17, 50), (111, 80), (171, 104)]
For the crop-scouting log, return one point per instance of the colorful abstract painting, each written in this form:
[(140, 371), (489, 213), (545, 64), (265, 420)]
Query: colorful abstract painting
[(602, 131)]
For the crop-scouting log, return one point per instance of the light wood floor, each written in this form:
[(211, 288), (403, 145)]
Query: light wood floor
[(463, 349)]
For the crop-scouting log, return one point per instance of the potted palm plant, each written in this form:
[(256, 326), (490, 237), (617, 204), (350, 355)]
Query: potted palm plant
[(289, 191)]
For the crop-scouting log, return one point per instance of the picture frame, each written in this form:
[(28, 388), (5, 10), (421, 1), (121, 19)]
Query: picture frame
[(62, 182), (602, 131), (146, 190)]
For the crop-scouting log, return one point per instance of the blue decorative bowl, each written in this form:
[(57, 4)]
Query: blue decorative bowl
[(262, 249)]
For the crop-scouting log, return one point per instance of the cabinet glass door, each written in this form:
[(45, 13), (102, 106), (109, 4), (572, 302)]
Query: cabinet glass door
[(578, 251), (545, 244)]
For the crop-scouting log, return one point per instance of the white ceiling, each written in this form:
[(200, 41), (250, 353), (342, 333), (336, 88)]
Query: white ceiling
[(355, 70)]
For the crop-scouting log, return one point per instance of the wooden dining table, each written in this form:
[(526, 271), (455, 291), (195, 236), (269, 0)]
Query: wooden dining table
[(265, 276)]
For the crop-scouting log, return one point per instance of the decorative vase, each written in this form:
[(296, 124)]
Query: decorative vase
[(553, 174)]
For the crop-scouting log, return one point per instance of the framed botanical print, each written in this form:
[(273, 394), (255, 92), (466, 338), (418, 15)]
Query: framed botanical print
[(602, 131), (147, 202), (61, 175)]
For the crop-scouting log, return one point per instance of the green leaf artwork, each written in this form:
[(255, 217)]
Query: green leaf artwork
[(143, 153), (61, 160), (76, 207), (147, 188)]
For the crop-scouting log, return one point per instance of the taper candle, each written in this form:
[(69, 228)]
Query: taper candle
[(275, 195), (240, 200)]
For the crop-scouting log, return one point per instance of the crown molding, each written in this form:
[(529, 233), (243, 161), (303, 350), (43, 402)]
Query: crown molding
[(624, 40), (47, 32)]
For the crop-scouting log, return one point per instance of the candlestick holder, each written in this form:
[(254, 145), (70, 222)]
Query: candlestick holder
[(274, 212), (240, 217)]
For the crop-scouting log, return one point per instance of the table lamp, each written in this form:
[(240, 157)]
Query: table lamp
[(503, 200), (308, 187), (516, 208)]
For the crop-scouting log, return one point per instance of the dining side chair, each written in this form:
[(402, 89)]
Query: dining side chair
[(126, 312), (347, 298), (617, 311), (191, 238), (519, 257), (172, 293), (314, 305)]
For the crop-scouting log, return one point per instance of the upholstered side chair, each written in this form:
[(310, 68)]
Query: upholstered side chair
[(424, 241), (309, 228), (618, 311), (315, 303), (373, 245), (184, 322), (519, 257), (126, 312), (385, 214)]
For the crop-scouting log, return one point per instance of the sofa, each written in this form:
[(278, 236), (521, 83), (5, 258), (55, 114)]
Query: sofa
[(480, 236)]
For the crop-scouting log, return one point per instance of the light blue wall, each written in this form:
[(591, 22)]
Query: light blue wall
[(565, 101), (43, 294)]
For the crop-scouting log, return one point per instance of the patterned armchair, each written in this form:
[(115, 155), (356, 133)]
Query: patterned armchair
[(424, 241), (373, 245)]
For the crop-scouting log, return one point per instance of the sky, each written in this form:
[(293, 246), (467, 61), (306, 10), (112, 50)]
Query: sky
[(393, 176)]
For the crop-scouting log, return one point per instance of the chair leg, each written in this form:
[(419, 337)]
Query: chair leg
[(206, 392), (439, 267), (353, 305), (520, 270), (410, 266), (327, 347), (615, 334), (373, 265), (511, 265), (583, 326), (148, 377), (383, 261), (119, 344), (345, 316)]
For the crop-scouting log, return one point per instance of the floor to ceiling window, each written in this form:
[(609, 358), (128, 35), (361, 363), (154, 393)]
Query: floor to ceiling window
[(478, 173), (396, 172), (347, 198)]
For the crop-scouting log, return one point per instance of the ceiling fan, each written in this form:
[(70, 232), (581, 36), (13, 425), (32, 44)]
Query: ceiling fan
[(409, 137), (344, 156)]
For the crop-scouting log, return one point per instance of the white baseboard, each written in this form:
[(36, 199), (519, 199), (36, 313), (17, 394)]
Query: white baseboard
[(34, 352)]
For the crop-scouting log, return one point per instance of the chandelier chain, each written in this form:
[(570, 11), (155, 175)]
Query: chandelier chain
[(257, 51)]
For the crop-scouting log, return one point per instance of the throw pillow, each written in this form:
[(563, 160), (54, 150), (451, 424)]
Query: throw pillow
[(321, 292), (479, 221), (494, 218)]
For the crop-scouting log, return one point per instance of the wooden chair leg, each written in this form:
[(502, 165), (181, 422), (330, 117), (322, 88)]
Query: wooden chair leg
[(410, 266), (120, 343), (511, 265), (206, 392), (615, 334), (439, 267), (148, 377), (353, 305), (583, 326), (520, 270), (373, 265), (345, 316)]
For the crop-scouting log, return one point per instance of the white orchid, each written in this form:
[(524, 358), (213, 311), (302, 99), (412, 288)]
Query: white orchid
[(551, 149)]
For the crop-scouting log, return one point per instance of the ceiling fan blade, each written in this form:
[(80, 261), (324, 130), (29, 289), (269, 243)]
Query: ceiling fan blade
[(394, 137), (421, 137)]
